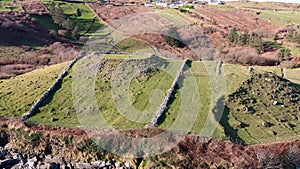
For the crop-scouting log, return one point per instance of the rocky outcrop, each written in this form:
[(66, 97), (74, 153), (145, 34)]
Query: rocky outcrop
[(14, 160)]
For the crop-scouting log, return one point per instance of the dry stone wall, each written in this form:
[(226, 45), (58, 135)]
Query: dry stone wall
[(163, 106), (51, 89)]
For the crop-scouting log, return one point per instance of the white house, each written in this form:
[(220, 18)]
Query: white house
[(162, 3), (213, 2), (148, 4)]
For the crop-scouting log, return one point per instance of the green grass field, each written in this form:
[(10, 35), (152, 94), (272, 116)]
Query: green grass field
[(8, 5), (47, 22), (224, 7), (282, 120), (84, 22), (131, 45), (18, 94), (234, 75), (293, 75), (58, 110), (61, 107), (295, 49), (264, 5), (281, 18)]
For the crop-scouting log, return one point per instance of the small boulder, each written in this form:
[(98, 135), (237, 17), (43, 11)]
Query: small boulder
[(63, 33)]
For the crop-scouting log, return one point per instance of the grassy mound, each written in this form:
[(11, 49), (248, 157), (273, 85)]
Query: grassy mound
[(265, 108)]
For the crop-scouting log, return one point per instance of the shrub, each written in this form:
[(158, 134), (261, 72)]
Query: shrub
[(233, 36), (75, 32), (78, 11), (4, 138), (173, 38), (284, 54), (252, 40)]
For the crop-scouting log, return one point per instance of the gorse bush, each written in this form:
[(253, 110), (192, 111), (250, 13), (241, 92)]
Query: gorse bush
[(284, 54), (59, 18), (173, 38), (251, 40)]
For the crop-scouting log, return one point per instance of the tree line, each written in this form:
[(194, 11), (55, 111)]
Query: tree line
[(256, 41), (59, 18)]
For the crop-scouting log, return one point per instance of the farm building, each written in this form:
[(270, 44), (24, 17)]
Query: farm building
[(163, 3), (167, 3), (213, 1)]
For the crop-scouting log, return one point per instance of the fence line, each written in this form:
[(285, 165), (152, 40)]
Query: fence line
[(163, 106), (51, 88)]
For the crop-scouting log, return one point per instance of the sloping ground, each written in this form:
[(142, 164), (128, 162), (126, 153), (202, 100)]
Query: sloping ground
[(264, 109), (86, 21), (224, 20), (59, 109), (110, 12), (33, 6), (27, 45), (18, 94), (192, 152), (19, 29), (212, 24), (16, 60), (217, 23), (280, 6)]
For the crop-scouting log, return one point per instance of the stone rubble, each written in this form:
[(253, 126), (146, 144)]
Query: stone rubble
[(14, 160)]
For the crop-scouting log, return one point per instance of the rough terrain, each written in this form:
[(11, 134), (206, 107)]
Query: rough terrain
[(25, 145), (27, 45)]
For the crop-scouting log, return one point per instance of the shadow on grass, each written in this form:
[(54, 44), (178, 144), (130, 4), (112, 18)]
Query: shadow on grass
[(49, 98), (170, 101), (296, 85), (176, 89), (224, 121), (86, 25)]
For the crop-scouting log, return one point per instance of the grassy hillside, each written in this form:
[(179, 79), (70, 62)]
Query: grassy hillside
[(18, 94), (87, 22), (264, 109), (8, 5), (281, 18), (47, 21), (59, 111)]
